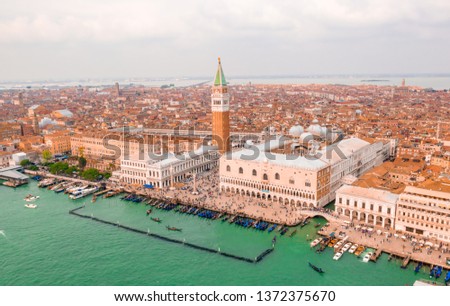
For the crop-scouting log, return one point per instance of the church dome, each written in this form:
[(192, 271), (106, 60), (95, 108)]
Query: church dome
[(296, 130), (305, 137)]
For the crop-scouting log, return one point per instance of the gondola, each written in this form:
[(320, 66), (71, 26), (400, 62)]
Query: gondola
[(149, 212), (274, 239), (416, 270), (171, 228), (156, 220), (317, 269)]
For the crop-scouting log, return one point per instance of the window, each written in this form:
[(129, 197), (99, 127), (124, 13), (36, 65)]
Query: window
[(371, 206), (254, 173), (228, 168), (265, 177), (380, 208), (291, 181), (363, 205), (277, 176), (241, 170), (389, 211), (307, 183), (348, 202)]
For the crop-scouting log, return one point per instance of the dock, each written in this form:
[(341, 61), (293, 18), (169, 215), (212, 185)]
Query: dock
[(405, 262), (376, 254)]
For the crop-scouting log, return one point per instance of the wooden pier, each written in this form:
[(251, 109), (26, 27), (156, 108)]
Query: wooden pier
[(376, 254), (406, 262)]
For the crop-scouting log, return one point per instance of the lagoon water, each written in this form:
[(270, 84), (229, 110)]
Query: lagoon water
[(48, 246)]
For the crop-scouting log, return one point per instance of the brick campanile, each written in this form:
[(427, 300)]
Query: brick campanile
[(220, 106)]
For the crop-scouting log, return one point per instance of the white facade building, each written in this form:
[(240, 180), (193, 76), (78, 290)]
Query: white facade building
[(424, 212), (371, 206), (165, 171), (301, 181)]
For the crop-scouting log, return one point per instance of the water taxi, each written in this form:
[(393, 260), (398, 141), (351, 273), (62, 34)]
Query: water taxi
[(359, 250), (367, 257), (82, 193), (315, 242), (353, 248), (332, 242), (31, 198), (338, 255), (30, 205), (346, 247), (338, 244)]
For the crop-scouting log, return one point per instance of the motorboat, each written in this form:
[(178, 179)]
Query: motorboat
[(315, 242), (338, 245), (346, 247), (338, 255), (367, 257), (31, 198), (30, 205), (83, 193), (332, 243), (316, 268), (359, 250), (353, 248)]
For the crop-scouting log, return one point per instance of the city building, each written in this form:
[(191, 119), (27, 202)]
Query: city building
[(58, 143), (301, 181), (368, 206), (167, 170), (425, 211)]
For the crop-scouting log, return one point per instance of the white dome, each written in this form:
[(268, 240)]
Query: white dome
[(305, 137), (315, 121), (315, 129), (323, 132), (296, 130)]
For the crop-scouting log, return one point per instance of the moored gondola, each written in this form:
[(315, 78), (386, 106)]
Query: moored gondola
[(156, 220), (172, 228)]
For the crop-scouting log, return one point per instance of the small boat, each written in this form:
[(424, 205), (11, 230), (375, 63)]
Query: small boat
[(438, 272), (390, 257), (30, 205), (346, 247), (448, 261), (338, 255), (447, 277), (332, 243), (417, 269), (94, 198), (353, 249), (293, 233), (274, 239), (316, 268), (338, 245), (31, 198), (359, 250), (271, 228), (317, 225), (367, 257), (156, 220), (149, 212), (315, 242), (433, 271), (171, 228)]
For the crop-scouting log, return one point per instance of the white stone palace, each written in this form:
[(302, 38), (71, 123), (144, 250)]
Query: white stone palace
[(308, 180)]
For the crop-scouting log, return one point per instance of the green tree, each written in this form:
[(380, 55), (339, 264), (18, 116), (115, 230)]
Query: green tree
[(71, 170), (33, 168), (82, 162), (46, 155), (58, 167), (25, 162), (90, 174), (106, 175)]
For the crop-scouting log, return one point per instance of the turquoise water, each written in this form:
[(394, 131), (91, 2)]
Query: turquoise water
[(47, 246)]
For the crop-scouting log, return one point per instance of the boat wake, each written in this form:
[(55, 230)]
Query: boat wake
[(2, 232)]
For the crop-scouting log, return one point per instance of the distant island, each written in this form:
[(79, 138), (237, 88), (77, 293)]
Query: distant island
[(375, 80)]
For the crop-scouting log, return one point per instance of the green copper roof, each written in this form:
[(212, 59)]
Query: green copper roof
[(220, 77)]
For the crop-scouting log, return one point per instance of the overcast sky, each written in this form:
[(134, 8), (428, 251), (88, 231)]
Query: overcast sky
[(45, 39)]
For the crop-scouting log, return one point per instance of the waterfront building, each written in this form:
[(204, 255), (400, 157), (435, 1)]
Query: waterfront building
[(301, 181), (164, 171), (220, 106), (369, 206), (425, 211)]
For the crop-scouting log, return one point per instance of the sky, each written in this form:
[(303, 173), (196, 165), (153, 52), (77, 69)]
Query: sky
[(49, 39)]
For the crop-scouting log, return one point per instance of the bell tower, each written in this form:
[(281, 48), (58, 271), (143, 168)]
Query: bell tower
[(220, 106)]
